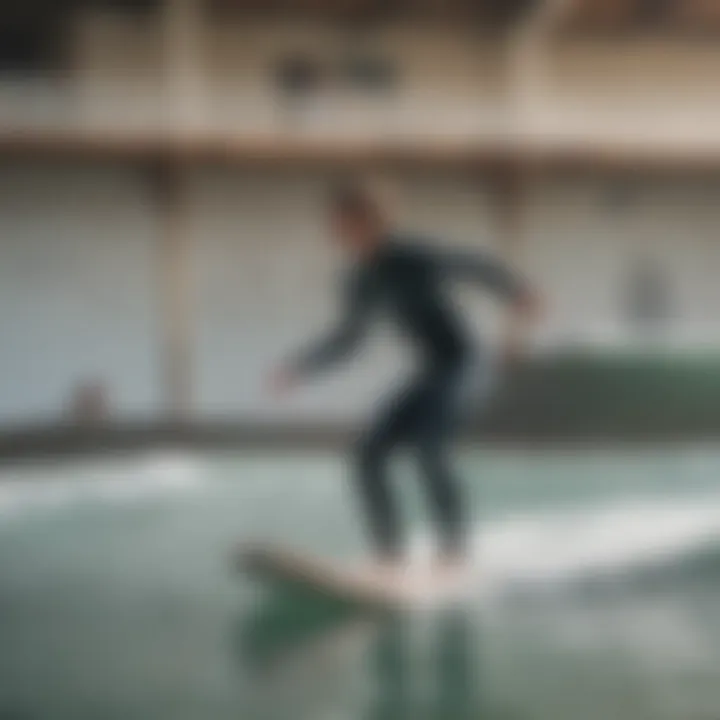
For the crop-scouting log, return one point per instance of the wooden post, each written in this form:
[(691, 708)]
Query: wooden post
[(174, 279), (527, 79), (183, 84), (184, 76)]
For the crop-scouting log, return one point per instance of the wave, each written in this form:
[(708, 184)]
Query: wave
[(28, 490), (631, 540)]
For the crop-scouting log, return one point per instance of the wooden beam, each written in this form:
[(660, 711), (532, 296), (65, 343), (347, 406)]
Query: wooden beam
[(270, 151), (490, 13), (171, 193), (695, 18), (181, 21)]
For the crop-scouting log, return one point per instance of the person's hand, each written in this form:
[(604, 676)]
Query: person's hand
[(513, 353), (528, 308), (526, 311), (281, 382)]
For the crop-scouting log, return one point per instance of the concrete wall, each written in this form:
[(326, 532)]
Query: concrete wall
[(585, 238), (78, 260), (79, 294), (77, 304), (79, 291)]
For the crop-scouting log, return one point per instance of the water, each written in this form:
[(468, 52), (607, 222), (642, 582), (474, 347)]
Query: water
[(597, 592)]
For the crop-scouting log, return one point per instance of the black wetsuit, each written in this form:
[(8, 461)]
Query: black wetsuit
[(407, 281)]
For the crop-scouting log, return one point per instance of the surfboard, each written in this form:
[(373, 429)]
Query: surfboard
[(346, 582)]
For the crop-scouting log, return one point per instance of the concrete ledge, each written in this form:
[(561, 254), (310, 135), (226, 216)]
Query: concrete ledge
[(55, 442)]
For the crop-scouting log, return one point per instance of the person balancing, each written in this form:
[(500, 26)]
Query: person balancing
[(400, 276)]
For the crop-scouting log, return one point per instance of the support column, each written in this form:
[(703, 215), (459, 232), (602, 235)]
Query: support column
[(182, 31), (527, 79), (175, 279), (184, 109)]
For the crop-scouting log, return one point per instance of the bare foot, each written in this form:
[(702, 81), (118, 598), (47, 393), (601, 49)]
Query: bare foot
[(451, 566), (386, 569)]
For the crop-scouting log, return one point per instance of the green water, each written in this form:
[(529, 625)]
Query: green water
[(118, 600)]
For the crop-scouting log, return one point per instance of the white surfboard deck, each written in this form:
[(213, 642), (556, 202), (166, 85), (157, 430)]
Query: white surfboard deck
[(356, 584)]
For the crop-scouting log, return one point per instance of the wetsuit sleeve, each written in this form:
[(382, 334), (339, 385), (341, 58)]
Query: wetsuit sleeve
[(483, 269), (340, 342)]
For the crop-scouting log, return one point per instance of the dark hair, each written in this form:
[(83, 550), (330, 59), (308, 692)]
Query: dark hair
[(352, 197)]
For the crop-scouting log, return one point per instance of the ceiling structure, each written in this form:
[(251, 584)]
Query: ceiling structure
[(578, 16), (585, 16), (603, 16), (629, 16), (486, 13)]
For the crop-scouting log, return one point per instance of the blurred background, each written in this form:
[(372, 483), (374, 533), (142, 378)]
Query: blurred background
[(162, 230), (163, 244)]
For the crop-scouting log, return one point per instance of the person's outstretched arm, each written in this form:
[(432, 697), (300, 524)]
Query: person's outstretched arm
[(516, 291), (335, 346)]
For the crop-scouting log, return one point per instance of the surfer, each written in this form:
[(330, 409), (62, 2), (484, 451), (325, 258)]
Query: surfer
[(406, 279)]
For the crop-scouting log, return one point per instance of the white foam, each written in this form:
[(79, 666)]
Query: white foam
[(554, 548), (23, 491)]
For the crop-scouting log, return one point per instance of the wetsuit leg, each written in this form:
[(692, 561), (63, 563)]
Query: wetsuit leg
[(438, 418), (395, 424)]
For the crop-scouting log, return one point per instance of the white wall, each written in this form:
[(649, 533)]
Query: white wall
[(584, 236), (77, 260), (77, 268), (78, 298)]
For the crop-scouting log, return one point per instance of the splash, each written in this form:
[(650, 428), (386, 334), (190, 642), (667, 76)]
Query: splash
[(24, 491), (551, 550)]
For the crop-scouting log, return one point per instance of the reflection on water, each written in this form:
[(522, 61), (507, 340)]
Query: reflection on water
[(627, 651), (408, 666), (598, 597), (448, 685)]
